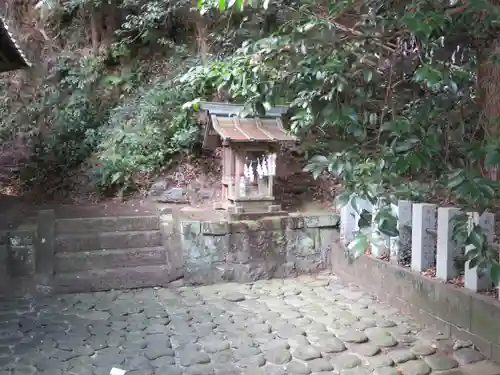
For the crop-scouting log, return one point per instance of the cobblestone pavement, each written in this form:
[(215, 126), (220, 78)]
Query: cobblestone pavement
[(294, 326)]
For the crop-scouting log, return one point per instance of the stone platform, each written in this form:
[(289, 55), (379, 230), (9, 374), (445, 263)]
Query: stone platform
[(57, 254), (295, 326)]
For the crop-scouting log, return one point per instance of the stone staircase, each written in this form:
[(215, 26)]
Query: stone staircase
[(99, 253)]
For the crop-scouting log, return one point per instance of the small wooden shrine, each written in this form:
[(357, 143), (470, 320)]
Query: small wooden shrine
[(250, 147), (11, 56)]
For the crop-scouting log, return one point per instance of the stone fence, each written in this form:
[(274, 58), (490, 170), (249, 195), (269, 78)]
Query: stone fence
[(425, 240), (414, 270)]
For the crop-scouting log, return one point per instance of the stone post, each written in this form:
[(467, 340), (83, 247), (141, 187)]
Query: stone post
[(380, 244), (447, 250), (171, 239), (44, 248), (347, 223), (423, 237), (472, 280), (401, 246), (4, 275)]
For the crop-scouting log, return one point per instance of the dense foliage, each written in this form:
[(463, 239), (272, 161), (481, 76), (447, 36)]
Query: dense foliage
[(401, 97), (406, 91)]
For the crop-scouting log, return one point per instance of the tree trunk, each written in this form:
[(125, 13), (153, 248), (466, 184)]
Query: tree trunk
[(201, 39), (488, 78), (94, 30)]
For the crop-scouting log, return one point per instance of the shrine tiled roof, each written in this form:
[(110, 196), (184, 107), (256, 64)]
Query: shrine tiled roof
[(225, 121), (11, 56), (250, 129)]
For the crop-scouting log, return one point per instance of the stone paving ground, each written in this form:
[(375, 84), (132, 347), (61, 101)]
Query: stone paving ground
[(308, 325)]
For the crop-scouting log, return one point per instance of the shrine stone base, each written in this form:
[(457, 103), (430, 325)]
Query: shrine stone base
[(254, 215), (249, 250)]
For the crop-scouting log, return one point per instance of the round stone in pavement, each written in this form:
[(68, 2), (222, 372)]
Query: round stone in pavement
[(356, 371), (199, 369), (401, 355), (422, 349), (163, 362), (24, 370), (157, 352), (382, 323), (331, 345), (246, 351), (214, 346), (439, 362), (346, 361), (380, 361), (253, 361), (225, 370), (467, 355), (383, 339), (320, 365), (287, 331), (296, 341), (353, 336), (144, 371), (274, 370), (306, 353), (170, 370), (416, 367), (297, 368), (386, 371), (275, 344), (367, 350), (190, 358), (278, 355), (234, 297), (225, 356)]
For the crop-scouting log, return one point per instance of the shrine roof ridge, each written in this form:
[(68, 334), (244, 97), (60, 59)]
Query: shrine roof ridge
[(229, 109)]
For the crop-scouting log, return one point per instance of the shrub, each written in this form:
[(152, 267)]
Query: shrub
[(143, 134)]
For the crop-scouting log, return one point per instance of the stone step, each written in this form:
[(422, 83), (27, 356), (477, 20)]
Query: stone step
[(114, 278), (107, 224), (71, 243), (102, 259)]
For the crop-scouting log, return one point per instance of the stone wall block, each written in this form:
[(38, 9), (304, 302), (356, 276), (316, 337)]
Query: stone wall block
[(447, 250), (172, 244), (424, 223), (473, 279), (45, 247)]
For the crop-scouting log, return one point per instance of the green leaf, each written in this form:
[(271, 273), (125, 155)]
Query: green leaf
[(455, 180), (368, 75), (474, 262), (495, 273), (492, 158), (222, 4), (476, 239), (343, 199), (318, 159), (115, 177), (388, 228), (471, 254), (358, 246), (365, 219)]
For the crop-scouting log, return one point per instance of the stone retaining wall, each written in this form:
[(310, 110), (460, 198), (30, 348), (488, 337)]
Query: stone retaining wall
[(463, 314), (249, 250), (91, 254), (17, 260)]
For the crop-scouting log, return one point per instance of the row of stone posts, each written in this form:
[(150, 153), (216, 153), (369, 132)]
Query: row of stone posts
[(425, 239)]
